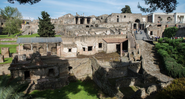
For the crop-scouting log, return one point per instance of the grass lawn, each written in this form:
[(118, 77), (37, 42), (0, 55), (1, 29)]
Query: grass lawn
[(8, 41), (12, 48), (75, 90), (33, 35), (7, 60)]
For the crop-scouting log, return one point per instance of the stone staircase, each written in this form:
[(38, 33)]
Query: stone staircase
[(151, 62)]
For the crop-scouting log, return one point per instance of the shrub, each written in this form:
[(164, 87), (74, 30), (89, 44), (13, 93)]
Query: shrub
[(160, 40), (170, 32), (176, 90), (157, 46)]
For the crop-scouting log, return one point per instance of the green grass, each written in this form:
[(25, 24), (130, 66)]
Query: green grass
[(75, 90), (33, 35), (12, 48), (7, 41), (7, 60)]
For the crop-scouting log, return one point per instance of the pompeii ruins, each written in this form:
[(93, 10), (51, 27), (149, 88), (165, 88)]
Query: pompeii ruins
[(51, 62)]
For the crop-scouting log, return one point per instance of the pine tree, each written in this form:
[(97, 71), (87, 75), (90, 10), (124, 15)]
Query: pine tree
[(46, 29), (126, 9)]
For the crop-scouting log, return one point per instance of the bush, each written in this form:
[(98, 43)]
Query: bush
[(170, 32), (176, 90), (157, 46), (160, 40)]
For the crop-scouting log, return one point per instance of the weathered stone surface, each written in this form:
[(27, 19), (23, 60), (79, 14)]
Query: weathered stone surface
[(140, 94), (22, 57), (151, 89), (1, 58), (5, 51)]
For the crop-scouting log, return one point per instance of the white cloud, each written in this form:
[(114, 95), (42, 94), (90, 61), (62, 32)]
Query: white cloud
[(26, 17)]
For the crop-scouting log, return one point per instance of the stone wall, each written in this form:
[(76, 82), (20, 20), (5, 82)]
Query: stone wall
[(4, 69)]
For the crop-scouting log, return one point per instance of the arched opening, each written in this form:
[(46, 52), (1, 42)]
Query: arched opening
[(27, 75), (159, 19), (88, 20), (151, 32), (87, 26), (69, 68), (51, 72), (117, 18), (76, 20), (135, 25), (92, 26), (137, 20), (27, 47), (81, 20), (41, 50), (169, 19)]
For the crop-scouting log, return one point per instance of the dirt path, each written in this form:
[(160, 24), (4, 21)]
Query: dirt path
[(152, 61)]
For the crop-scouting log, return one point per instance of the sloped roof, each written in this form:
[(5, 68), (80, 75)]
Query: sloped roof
[(40, 40), (115, 40)]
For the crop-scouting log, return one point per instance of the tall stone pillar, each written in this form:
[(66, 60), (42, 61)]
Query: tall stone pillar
[(75, 20), (85, 20), (90, 21), (31, 47), (121, 49), (78, 21)]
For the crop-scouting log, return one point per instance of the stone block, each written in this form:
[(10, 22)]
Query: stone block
[(151, 89), (1, 58), (22, 57), (5, 51)]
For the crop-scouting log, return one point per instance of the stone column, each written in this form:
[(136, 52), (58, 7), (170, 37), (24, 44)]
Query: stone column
[(47, 47), (85, 20), (31, 47), (19, 49), (90, 21), (78, 21), (121, 49), (74, 20)]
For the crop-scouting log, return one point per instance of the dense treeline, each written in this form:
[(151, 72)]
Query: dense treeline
[(172, 53)]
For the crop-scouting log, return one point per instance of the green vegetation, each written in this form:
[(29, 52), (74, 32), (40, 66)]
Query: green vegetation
[(46, 28), (172, 53), (126, 9), (13, 20), (7, 60), (167, 6), (12, 48), (170, 32), (176, 90), (75, 90), (13, 36), (10, 88)]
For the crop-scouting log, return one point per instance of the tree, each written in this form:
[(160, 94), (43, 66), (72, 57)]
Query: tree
[(12, 26), (10, 12), (13, 20), (126, 9), (24, 1), (11, 89), (45, 26), (170, 32), (164, 5)]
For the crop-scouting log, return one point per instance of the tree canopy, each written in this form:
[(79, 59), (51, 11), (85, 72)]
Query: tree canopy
[(170, 32), (45, 26), (126, 9), (13, 20), (24, 1), (10, 12), (167, 6)]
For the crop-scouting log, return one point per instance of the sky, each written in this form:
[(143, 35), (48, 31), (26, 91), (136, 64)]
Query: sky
[(58, 8)]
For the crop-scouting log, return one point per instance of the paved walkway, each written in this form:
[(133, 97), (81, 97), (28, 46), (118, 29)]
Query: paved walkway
[(151, 62)]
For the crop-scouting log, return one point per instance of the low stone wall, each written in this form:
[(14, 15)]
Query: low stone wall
[(8, 39), (4, 69)]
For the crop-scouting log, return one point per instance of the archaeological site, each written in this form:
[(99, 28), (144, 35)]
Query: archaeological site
[(114, 50)]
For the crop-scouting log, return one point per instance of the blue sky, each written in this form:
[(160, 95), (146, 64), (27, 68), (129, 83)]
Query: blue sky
[(58, 8)]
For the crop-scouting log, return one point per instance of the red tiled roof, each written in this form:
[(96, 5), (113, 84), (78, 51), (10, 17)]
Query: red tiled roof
[(115, 40)]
